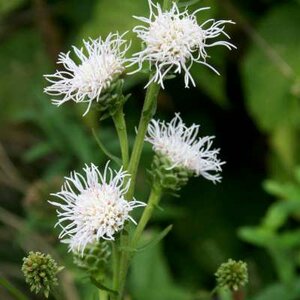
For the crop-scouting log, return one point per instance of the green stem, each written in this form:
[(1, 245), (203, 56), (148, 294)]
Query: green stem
[(153, 201), (115, 258), (147, 113), (103, 295), (120, 124)]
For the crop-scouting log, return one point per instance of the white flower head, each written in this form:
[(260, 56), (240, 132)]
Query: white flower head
[(174, 41), (182, 146), (100, 63), (93, 206)]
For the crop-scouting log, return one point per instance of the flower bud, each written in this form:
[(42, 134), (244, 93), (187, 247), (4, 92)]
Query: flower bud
[(40, 272), (94, 259), (170, 178), (232, 275)]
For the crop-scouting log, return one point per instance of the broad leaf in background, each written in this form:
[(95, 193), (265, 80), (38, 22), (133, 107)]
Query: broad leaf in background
[(150, 277), (279, 291), (269, 94), (22, 62)]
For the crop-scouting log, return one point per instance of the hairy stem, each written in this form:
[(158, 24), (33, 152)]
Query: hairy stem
[(120, 125)]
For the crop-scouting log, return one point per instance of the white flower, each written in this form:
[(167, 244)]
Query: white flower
[(174, 40), (182, 146), (100, 63), (93, 206)]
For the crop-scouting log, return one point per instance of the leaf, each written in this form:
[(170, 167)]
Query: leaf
[(279, 212), (150, 277), (100, 286), (257, 236), (105, 151), (37, 151), (156, 239), (18, 295), (279, 291), (270, 99)]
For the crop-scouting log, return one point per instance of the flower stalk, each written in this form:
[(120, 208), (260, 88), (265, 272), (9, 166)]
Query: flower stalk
[(148, 112), (154, 198), (120, 124)]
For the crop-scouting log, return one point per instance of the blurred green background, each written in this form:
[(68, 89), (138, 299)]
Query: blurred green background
[(253, 109)]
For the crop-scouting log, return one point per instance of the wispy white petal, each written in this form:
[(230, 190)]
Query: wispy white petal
[(93, 206), (101, 62), (182, 146), (174, 41)]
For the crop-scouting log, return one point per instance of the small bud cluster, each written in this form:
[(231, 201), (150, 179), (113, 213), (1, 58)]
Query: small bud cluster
[(170, 178), (95, 259), (40, 272), (232, 275)]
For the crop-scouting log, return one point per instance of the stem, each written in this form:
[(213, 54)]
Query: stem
[(103, 295), (153, 201), (115, 257), (238, 295), (147, 113), (120, 125)]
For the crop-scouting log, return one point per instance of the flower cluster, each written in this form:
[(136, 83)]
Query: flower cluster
[(174, 41), (232, 275), (93, 206), (101, 63), (183, 148), (40, 272)]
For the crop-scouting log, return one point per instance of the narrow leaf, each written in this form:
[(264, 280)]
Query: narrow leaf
[(105, 151), (157, 239), (102, 287), (18, 295)]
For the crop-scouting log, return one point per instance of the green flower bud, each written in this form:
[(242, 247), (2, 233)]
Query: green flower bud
[(112, 99), (95, 259), (170, 178), (232, 275), (40, 272)]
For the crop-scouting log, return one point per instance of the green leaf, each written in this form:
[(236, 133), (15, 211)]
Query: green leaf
[(105, 151), (270, 98), (150, 277), (257, 236), (279, 291), (100, 286), (18, 295), (156, 239), (37, 151)]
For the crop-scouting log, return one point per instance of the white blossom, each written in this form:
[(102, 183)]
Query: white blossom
[(100, 63), (93, 206), (174, 41), (182, 146)]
